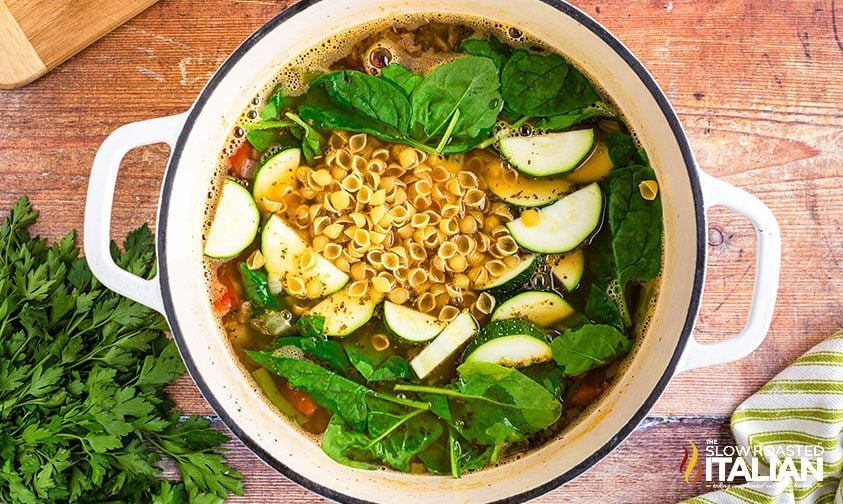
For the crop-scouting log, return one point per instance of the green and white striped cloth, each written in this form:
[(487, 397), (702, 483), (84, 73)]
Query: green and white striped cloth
[(800, 409)]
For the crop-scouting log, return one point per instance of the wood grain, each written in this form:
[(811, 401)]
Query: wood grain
[(643, 470), (756, 84), (55, 30), (19, 61)]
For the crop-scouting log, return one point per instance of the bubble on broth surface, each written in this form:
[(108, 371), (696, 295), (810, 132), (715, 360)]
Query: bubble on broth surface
[(290, 352), (525, 129)]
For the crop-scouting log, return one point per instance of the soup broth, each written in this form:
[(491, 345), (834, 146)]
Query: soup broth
[(434, 242)]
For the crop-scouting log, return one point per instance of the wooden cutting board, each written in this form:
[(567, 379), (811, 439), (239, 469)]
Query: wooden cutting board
[(38, 35)]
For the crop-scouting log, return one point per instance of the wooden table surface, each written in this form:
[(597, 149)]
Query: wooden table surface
[(758, 86)]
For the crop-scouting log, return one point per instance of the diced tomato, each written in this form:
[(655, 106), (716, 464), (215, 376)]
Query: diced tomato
[(227, 298), (301, 401), (318, 422), (243, 161), (589, 389)]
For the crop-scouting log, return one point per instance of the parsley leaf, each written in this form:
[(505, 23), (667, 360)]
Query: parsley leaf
[(83, 411)]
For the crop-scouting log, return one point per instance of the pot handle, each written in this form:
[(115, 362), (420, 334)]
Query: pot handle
[(768, 265), (100, 199)]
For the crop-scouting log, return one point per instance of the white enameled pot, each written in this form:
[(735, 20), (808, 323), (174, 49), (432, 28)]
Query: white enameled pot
[(180, 290)]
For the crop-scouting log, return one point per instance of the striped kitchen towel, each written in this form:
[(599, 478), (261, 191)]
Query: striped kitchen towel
[(786, 426)]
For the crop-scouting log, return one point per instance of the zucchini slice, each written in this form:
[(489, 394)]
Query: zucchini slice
[(512, 351), (282, 247), (564, 225), (235, 222), (518, 189), (455, 335), (345, 314), (545, 309), (409, 324), (507, 327), (513, 279), (568, 270), (275, 176), (548, 154), (509, 342)]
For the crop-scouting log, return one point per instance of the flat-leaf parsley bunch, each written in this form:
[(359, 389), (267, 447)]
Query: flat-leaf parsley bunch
[(83, 412)]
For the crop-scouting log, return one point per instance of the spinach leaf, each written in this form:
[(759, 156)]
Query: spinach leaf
[(548, 376), (459, 99), (493, 404), (330, 390), (563, 121), (621, 148), (348, 399), (464, 456), (402, 76), (311, 326), (256, 286), (364, 358), (636, 226), (266, 134), (455, 105), (312, 141), (437, 458), (342, 443), (375, 98), (541, 85), (325, 350), (579, 350), (491, 48), (318, 107), (377, 366), (506, 405), (399, 435), (395, 368), (606, 302), (394, 437), (263, 139), (276, 102), (438, 405), (602, 307)]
